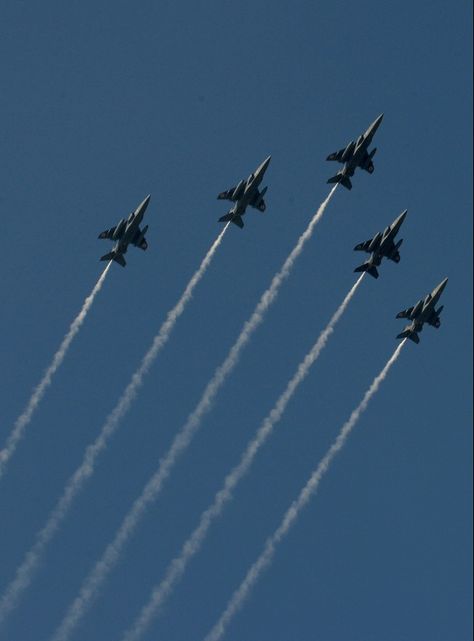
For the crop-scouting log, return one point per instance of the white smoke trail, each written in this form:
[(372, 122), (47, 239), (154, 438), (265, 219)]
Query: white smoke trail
[(25, 571), (24, 419), (178, 565), (151, 490), (265, 558)]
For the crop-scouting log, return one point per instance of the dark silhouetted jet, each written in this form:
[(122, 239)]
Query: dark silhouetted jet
[(380, 246), (355, 155), (127, 232), (244, 194)]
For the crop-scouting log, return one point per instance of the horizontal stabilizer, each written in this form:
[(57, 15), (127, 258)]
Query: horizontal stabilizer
[(408, 333), (340, 178), (237, 220), (115, 256), (369, 268)]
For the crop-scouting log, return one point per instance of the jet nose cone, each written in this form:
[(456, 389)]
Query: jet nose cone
[(144, 204), (401, 218), (263, 167), (375, 125), (442, 285)]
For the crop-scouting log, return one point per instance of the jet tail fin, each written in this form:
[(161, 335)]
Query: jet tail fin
[(341, 178), (117, 256), (237, 220), (369, 268), (409, 333)]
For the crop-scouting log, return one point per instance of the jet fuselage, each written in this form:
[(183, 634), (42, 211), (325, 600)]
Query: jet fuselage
[(386, 246), (131, 224), (246, 190)]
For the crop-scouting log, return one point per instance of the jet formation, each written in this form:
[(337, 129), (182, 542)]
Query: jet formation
[(245, 193), (380, 246), (127, 232), (423, 312), (354, 155)]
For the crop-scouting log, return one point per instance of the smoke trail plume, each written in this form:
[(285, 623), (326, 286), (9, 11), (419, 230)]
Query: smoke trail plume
[(295, 508), (25, 571), (24, 419), (151, 490), (178, 565)]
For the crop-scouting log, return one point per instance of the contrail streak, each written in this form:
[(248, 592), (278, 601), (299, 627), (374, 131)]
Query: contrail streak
[(24, 419), (178, 565), (25, 571), (183, 438), (294, 510)]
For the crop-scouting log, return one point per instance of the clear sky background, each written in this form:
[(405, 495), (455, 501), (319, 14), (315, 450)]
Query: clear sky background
[(103, 103)]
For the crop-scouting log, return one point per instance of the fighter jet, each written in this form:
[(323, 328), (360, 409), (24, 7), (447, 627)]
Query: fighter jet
[(382, 244), (126, 232), (244, 194), (423, 312), (355, 155)]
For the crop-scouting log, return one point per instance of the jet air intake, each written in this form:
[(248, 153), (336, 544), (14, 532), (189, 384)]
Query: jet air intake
[(119, 229), (348, 152), (239, 190), (417, 309), (375, 241)]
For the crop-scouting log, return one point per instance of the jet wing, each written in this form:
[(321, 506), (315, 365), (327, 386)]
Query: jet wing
[(406, 313), (257, 200), (227, 195), (142, 244), (391, 252), (364, 247), (337, 155), (434, 319), (366, 163), (139, 239), (108, 233)]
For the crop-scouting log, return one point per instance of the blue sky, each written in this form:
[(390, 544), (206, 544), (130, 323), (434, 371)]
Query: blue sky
[(103, 104)]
